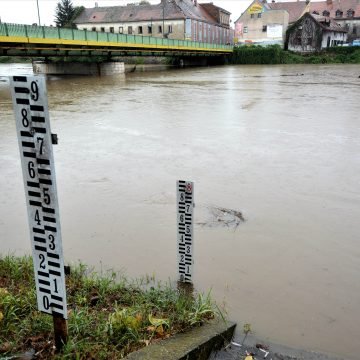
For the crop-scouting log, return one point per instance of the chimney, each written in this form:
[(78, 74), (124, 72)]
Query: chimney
[(96, 4), (328, 2), (195, 2)]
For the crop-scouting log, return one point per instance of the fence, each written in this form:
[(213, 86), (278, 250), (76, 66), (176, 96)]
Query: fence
[(48, 32)]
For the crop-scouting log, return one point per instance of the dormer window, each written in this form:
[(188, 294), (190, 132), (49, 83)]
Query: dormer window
[(315, 12), (339, 13), (350, 13), (326, 13)]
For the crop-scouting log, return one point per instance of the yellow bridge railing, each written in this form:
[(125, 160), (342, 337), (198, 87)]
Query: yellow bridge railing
[(32, 34)]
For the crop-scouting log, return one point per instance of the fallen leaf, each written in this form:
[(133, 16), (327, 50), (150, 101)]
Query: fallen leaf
[(157, 322), (5, 347), (3, 292)]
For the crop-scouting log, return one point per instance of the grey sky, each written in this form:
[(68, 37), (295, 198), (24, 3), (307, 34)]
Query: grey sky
[(25, 11)]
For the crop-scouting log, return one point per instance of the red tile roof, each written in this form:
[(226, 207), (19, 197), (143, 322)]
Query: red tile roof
[(334, 5), (175, 9), (297, 8), (328, 24)]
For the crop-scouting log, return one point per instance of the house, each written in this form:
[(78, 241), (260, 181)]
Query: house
[(313, 33), (259, 24), (344, 12), (248, 26), (173, 19)]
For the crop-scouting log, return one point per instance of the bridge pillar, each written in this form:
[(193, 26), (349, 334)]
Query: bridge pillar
[(78, 68)]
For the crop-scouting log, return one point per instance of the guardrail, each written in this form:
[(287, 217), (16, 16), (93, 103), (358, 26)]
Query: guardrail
[(49, 32)]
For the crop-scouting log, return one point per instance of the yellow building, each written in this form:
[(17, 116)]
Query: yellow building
[(259, 24)]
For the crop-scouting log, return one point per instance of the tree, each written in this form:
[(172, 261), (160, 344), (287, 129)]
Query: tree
[(66, 13)]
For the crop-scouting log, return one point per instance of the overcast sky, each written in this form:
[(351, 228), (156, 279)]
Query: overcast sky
[(25, 11)]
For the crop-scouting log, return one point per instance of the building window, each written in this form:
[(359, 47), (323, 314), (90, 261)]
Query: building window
[(169, 29), (93, 29), (259, 15), (326, 13), (129, 30), (140, 30), (102, 29), (350, 13), (111, 29), (354, 29), (338, 13), (245, 29), (252, 15), (149, 29), (121, 30), (159, 29), (264, 29)]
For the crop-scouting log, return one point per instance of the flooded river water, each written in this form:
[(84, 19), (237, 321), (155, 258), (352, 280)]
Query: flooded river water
[(281, 144)]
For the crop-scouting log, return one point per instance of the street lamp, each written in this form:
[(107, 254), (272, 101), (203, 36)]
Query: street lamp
[(37, 3)]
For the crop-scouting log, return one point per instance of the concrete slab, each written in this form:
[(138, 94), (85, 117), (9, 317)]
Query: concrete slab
[(194, 345)]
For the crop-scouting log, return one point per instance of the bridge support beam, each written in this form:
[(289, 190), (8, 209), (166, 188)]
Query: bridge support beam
[(78, 68), (188, 61)]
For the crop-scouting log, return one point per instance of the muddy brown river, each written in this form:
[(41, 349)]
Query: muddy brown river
[(280, 144)]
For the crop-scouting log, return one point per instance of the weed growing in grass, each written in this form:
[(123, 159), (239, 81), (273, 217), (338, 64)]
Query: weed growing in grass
[(109, 316)]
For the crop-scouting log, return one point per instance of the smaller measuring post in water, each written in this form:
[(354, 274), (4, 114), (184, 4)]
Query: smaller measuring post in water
[(185, 212), (35, 144)]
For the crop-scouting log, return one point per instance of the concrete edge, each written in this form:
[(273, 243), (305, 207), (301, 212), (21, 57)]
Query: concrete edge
[(196, 344)]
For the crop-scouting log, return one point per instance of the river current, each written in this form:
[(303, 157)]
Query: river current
[(280, 144)]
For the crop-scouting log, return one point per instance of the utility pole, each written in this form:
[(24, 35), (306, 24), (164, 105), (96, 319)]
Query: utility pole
[(37, 3), (163, 8)]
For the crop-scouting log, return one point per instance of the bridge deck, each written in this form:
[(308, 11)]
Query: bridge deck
[(35, 40)]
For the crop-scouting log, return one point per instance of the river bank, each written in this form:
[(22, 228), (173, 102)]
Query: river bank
[(110, 316), (274, 54)]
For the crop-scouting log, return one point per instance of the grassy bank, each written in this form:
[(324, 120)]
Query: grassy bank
[(274, 54), (108, 316), (14, 59)]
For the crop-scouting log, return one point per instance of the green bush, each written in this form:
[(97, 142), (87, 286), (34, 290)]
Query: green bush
[(256, 54), (274, 54)]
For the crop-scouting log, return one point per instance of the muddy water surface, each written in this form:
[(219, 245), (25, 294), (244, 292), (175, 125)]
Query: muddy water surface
[(279, 144)]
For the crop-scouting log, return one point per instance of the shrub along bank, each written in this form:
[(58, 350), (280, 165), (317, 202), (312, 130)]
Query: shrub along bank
[(109, 316), (274, 54)]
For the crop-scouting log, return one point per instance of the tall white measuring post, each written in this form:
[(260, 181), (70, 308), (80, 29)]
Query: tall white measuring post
[(185, 213), (35, 143)]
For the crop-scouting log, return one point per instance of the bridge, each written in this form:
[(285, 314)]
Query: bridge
[(44, 41)]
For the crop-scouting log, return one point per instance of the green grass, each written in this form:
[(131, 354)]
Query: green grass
[(14, 59), (109, 316)]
